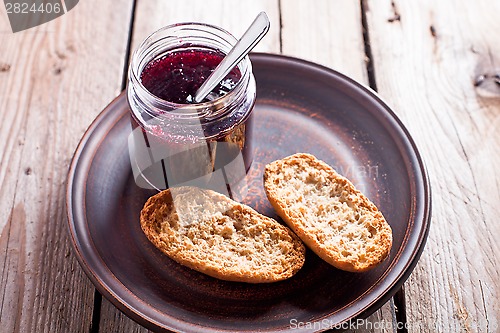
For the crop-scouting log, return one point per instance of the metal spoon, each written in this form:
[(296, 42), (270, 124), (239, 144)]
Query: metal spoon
[(250, 38)]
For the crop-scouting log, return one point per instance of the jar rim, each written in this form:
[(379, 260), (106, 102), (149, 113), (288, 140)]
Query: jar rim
[(194, 109)]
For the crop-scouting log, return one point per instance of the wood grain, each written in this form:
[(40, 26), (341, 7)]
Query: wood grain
[(54, 79), (233, 16), (435, 62), (112, 320), (329, 33)]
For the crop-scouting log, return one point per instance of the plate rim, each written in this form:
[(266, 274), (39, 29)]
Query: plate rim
[(135, 312)]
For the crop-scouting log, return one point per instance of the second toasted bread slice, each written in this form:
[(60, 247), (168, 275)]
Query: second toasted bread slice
[(215, 235), (325, 210)]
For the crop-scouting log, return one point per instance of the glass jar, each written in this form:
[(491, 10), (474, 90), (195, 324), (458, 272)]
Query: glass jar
[(206, 144)]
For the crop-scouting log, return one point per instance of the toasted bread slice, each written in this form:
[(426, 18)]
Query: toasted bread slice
[(209, 232), (326, 211)]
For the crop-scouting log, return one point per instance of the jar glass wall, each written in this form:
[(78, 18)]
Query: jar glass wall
[(208, 144)]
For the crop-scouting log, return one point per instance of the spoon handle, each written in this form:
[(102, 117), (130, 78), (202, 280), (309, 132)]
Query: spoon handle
[(250, 38)]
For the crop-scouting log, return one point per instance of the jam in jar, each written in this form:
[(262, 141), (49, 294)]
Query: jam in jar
[(178, 142)]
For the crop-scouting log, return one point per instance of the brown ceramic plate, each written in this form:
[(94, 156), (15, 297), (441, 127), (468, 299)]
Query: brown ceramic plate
[(301, 107)]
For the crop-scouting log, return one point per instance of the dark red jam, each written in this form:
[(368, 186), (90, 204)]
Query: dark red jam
[(177, 76)]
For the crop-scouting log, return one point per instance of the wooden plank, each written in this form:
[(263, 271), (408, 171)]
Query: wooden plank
[(112, 320), (435, 62), (54, 79), (329, 33), (234, 16)]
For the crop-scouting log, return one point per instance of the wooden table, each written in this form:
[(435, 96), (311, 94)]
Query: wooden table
[(437, 63)]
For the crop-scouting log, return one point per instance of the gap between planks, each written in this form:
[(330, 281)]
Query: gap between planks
[(399, 297), (96, 311)]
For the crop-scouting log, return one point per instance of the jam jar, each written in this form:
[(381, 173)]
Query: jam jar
[(175, 141)]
